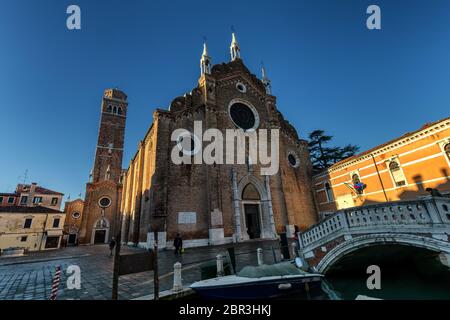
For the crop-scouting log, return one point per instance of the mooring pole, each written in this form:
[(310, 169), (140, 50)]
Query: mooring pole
[(115, 287), (155, 268), (274, 255)]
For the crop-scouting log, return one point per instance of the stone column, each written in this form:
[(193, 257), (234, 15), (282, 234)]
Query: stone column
[(269, 204), (237, 209)]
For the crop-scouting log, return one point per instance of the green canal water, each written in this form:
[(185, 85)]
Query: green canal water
[(406, 273)]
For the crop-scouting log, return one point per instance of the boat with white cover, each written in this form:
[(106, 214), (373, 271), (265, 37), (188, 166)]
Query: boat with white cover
[(261, 282)]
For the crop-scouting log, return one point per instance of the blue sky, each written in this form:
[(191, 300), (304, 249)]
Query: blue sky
[(328, 71)]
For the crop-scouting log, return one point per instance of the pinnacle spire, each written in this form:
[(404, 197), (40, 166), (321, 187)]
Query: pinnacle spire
[(205, 50), (235, 51), (265, 80), (205, 61)]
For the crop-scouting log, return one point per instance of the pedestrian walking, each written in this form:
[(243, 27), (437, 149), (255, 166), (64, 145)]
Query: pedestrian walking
[(178, 244), (112, 245)]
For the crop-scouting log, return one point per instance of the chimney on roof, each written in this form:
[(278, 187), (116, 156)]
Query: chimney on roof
[(31, 194)]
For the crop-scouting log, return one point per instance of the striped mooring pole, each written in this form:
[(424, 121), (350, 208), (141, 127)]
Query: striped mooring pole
[(55, 283)]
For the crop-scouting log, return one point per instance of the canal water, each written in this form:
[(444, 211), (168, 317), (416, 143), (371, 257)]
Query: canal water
[(405, 273)]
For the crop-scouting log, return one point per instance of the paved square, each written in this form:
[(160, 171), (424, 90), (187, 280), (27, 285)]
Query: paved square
[(30, 277)]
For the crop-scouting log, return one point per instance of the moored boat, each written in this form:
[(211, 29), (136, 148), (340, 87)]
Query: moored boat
[(261, 282)]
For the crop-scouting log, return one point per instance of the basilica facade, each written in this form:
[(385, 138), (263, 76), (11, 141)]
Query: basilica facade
[(213, 203)]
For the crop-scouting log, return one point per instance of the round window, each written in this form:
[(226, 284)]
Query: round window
[(188, 143), (244, 116), (104, 202), (293, 160), (76, 215), (241, 87)]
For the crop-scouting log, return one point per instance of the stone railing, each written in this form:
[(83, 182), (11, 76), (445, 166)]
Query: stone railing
[(393, 213), (426, 211), (324, 228)]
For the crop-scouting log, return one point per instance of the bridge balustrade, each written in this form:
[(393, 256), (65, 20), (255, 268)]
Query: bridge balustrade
[(426, 211), (392, 214)]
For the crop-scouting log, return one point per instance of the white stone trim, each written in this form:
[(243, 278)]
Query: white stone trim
[(248, 104), (95, 229), (442, 144), (394, 183), (331, 190), (422, 159), (386, 170)]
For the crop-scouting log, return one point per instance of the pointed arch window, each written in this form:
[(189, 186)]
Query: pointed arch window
[(250, 193), (397, 173), (102, 224), (115, 110), (447, 150), (109, 109), (119, 111), (357, 184), (329, 192)]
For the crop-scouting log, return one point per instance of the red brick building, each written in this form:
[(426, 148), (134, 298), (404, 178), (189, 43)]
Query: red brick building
[(100, 217), (217, 203), (400, 169)]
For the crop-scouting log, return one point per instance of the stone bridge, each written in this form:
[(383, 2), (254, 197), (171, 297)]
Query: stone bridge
[(423, 223)]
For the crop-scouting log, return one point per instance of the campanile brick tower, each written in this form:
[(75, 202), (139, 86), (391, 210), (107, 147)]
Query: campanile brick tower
[(103, 191)]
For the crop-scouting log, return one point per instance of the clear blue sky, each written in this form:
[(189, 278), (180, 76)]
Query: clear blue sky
[(327, 69)]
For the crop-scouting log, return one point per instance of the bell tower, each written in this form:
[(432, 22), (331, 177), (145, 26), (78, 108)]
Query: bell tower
[(109, 150), (101, 217)]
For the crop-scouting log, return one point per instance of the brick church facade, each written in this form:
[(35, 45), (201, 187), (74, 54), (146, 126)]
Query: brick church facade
[(206, 204)]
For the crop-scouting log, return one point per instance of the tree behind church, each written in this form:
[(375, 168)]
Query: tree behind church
[(322, 156)]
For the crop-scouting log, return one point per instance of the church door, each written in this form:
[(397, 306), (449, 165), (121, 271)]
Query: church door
[(252, 220), (100, 236), (72, 239), (100, 232)]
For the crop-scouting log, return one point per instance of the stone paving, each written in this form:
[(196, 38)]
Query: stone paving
[(30, 277)]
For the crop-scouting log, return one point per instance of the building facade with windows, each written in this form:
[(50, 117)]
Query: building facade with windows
[(30, 228), (33, 195), (9, 199), (401, 169), (74, 212), (219, 202)]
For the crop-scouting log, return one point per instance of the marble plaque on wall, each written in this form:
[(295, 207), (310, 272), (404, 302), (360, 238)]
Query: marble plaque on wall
[(216, 218), (187, 217)]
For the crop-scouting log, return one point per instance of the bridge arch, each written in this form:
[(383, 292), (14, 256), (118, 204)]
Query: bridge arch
[(359, 242)]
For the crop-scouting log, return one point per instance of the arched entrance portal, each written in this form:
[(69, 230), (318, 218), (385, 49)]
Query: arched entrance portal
[(253, 209), (251, 202), (100, 232)]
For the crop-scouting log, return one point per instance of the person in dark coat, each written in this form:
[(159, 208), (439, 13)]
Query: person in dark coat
[(178, 244), (297, 230), (434, 192), (112, 245)]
